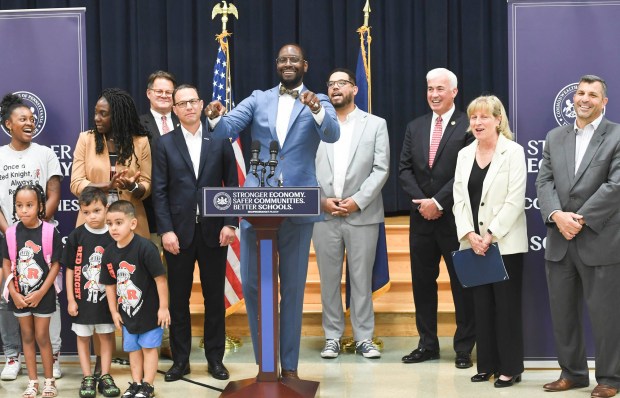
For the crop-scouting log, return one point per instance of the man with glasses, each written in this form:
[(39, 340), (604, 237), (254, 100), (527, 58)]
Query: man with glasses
[(186, 160), (426, 172), (351, 173), (297, 119), (159, 121)]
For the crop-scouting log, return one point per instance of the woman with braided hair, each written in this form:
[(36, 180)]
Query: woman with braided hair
[(115, 155)]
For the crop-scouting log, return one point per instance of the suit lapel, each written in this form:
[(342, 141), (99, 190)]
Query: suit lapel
[(496, 164), (593, 146), (469, 157), (179, 141), (297, 108), (450, 128), (358, 132), (204, 150), (426, 139), (569, 153), (272, 112)]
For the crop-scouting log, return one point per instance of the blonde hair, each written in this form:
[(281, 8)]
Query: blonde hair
[(492, 105)]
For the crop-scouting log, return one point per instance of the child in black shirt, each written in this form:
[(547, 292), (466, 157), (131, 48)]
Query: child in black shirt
[(86, 295), (30, 282), (134, 266)]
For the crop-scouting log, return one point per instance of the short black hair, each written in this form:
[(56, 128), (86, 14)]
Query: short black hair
[(123, 206), (593, 79), (93, 194), (347, 71), (182, 87), (160, 74), (301, 49)]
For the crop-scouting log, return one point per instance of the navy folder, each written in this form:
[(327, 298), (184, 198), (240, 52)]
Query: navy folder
[(475, 270)]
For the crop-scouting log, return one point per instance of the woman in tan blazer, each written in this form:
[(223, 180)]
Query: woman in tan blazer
[(115, 156), (489, 206)]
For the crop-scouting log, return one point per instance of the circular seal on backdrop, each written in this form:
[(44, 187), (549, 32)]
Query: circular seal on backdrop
[(36, 107), (563, 106), (222, 201)]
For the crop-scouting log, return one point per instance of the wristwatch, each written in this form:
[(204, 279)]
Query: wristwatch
[(134, 188)]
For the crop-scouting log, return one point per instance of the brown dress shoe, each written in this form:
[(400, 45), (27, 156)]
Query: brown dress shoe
[(562, 384), (289, 374), (604, 391)]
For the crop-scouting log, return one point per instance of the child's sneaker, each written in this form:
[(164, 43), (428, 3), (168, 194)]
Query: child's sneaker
[(12, 368), (331, 349), (146, 391), (87, 388), (132, 390), (107, 387), (56, 372)]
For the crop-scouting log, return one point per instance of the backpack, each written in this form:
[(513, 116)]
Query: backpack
[(11, 242)]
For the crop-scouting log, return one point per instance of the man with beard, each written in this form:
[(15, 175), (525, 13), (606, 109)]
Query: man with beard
[(351, 173), (297, 126)]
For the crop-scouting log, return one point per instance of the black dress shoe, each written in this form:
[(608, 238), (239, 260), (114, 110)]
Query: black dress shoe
[(499, 383), (177, 371), (420, 355), (485, 376), (218, 370), (463, 360)]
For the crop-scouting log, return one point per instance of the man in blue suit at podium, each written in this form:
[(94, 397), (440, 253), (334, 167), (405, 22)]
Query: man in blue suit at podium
[(297, 119)]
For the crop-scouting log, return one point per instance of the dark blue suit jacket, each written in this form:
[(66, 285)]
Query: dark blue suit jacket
[(177, 191)]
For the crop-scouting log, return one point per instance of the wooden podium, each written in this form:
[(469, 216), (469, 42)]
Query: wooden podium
[(268, 383)]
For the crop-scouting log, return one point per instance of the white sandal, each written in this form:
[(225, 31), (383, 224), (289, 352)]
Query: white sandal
[(49, 388), (32, 390)]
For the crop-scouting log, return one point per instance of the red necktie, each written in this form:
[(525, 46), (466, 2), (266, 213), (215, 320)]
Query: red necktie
[(435, 142), (164, 125)]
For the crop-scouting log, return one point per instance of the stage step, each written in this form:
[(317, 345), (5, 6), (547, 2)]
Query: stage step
[(394, 310)]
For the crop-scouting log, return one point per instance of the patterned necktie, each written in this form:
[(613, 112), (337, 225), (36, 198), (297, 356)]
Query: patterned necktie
[(292, 93), (435, 142), (164, 125)]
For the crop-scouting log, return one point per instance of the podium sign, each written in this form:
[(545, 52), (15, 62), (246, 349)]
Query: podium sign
[(265, 208), (261, 202)]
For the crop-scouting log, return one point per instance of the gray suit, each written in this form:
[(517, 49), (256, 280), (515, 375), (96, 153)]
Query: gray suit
[(588, 266), (367, 172)]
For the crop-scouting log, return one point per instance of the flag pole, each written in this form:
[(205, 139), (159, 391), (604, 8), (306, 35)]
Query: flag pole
[(224, 10)]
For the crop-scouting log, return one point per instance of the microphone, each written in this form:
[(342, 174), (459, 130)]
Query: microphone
[(273, 158), (254, 161)]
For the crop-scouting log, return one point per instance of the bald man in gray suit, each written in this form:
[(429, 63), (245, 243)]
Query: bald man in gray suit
[(579, 194)]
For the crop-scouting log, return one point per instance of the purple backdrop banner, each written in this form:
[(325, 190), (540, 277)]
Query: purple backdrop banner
[(44, 61), (551, 45)]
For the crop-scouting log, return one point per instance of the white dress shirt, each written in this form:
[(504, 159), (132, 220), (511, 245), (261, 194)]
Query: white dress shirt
[(194, 145), (582, 139), (342, 149)]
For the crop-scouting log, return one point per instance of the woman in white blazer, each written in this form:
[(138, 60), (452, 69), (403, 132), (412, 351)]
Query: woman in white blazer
[(489, 206)]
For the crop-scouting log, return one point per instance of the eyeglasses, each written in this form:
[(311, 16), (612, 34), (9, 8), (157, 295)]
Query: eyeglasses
[(192, 102), (160, 93), (284, 60), (339, 83)]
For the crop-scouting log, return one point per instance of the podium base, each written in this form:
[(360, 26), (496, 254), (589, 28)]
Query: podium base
[(284, 388)]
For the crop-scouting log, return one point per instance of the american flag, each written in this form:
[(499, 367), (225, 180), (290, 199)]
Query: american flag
[(222, 91)]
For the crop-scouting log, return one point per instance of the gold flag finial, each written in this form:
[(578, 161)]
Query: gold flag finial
[(224, 9), (366, 12)]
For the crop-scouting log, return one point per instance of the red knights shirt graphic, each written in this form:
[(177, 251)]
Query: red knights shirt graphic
[(128, 293), (29, 273)]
